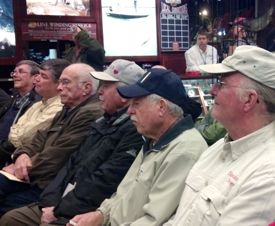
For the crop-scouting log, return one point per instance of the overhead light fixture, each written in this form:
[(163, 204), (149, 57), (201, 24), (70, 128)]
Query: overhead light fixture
[(203, 12)]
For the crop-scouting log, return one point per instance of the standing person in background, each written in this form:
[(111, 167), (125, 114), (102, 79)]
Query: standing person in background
[(239, 34), (201, 53), (40, 114), (86, 50), (23, 95), (233, 182)]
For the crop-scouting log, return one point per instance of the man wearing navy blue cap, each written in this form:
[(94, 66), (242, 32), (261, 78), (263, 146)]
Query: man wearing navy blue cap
[(149, 193)]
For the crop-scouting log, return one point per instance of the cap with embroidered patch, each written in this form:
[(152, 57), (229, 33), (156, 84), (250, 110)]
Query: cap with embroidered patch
[(166, 84), (120, 70), (252, 61)]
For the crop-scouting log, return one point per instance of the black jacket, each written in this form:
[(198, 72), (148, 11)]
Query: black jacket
[(4, 99), (97, 168), (6, 148)]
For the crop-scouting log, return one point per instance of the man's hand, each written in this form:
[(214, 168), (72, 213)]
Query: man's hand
[(87, 219), (47, 215), (22, 165), (9, 169)]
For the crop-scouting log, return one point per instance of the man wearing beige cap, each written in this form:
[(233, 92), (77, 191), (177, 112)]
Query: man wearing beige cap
[(93, 173), (233, 182)]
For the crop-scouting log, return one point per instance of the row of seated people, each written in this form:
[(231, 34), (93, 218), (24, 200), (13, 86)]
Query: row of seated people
[(174, 179)]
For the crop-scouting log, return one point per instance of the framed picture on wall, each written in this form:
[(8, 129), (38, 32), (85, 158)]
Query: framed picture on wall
[(58, 7), (7, 32), (129, 27)]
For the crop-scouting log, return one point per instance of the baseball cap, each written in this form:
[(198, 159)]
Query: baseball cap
[(252, 61), (120, 70), (166, 84), (239, 21)]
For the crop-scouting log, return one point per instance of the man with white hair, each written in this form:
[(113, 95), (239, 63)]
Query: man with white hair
[(149, 193), (37, 163), (95, 170), (233, 182)]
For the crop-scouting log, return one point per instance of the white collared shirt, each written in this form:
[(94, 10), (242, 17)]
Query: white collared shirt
[(233, 183), (195, 57)]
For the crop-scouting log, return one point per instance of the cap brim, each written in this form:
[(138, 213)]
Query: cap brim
[(103, 76), (216, 68), (132, 91)]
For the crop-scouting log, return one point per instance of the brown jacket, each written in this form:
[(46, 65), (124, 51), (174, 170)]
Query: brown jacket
[(51, 148)]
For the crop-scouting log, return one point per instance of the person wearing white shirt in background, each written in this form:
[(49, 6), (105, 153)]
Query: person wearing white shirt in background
[(201, 53)]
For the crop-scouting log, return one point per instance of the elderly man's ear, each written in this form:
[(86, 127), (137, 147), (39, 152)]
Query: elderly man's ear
[(162, 107), (87, 89)]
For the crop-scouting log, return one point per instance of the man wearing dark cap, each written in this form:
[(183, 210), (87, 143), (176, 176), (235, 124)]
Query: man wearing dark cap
[(149, 193), (233, 182)]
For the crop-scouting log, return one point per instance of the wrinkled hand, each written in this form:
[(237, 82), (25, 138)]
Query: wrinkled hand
[(9, 169), (88, 219), (47, 215), (22, 166)]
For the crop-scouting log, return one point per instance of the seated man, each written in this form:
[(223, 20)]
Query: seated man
[(233, 181), (23, 96), (40, 114), (38, 162), (201, 53), (149, 193), (93, 172)]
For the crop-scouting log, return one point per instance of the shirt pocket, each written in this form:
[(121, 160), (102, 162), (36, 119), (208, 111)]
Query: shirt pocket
[(208, 203)]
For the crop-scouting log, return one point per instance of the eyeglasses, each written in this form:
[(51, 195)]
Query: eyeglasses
[(13, 73), (64, 82), (220, 84)]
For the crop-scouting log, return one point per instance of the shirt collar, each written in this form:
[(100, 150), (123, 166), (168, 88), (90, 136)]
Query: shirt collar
[(182, 125), (50, 100), (239, 147)]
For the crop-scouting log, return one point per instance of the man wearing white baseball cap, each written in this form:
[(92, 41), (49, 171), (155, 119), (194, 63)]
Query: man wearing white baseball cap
[(233, 182)]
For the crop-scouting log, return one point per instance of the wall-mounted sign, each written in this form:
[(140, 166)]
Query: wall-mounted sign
[(54, 30), (174, 27)]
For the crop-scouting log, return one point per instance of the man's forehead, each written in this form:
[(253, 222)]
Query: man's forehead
[(202, 37), (69, 74), (139, 99), (45, 71), (23, 66)]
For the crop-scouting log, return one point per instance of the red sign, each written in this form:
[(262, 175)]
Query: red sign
[(54, 30)]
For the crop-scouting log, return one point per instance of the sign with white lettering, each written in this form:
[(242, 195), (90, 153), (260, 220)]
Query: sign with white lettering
[(54, 30)]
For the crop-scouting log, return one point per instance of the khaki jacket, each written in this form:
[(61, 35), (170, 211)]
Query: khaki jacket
[(149, 193)]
